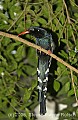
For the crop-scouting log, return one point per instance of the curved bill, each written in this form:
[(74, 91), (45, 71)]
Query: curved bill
[(25, 32)]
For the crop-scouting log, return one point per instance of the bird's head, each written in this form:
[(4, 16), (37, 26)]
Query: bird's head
[(35, 31)]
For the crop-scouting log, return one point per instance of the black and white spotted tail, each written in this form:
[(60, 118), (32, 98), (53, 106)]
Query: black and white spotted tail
[(42, 70)]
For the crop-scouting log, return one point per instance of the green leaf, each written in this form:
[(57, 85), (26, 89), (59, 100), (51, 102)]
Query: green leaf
[(64, 54), (72, 53), (67, 86), (42, 21), (3, 16), (20, 53), (45, 12), (27, 95), (12, 65), (63, 79), (6, 41), (27, 114), (71, 92), (1, 70), (56, 85), (2, 58), (62, 19), (76, 15), (29, 70), (34, 84)]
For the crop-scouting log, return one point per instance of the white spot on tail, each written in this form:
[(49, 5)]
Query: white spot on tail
[(39, 88), (50, 62), (47, 71), (45, 89), (46, 79), (44, 96), (38, 71), (39, 80)]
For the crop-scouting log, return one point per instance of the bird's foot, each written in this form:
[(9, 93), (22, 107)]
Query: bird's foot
[(49, 52)]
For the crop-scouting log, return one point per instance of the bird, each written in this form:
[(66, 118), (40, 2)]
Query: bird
[(45, 41)]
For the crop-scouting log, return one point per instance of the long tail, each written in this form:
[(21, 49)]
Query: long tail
[(42, 70)]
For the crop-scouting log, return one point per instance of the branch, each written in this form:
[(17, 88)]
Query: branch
[(39, 48)]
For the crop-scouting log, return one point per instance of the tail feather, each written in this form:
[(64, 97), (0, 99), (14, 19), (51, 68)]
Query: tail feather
[(43, 107), (42, 70)]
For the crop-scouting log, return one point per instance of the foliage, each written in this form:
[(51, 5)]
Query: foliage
[(18, 62)]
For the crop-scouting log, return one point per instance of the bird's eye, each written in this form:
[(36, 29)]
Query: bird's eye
[(31, 29)]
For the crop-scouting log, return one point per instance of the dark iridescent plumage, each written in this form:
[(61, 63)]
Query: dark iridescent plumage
[(44, 40)]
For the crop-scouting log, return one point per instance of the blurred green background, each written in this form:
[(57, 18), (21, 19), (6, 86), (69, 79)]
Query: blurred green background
[(18, 62)]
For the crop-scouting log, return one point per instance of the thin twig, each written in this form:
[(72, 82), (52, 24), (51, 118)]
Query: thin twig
[(39, 48), (68, 17), (62, 30), (67, 12), (74, 87), (15, 21), (13, 106), (73, 3)]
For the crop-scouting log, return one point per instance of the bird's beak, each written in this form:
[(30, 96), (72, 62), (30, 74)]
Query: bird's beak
[(23, 33)]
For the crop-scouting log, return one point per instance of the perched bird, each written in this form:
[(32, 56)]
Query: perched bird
[(43, 39)]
